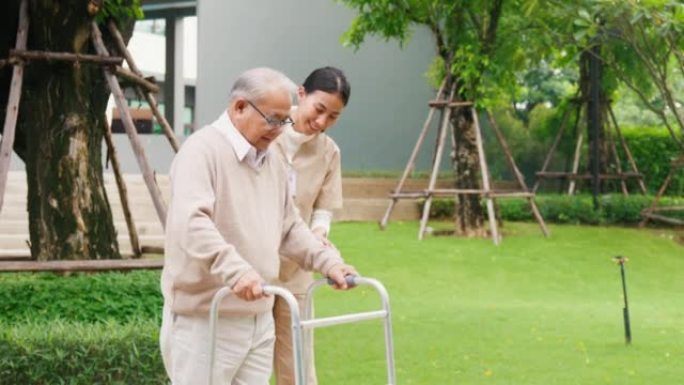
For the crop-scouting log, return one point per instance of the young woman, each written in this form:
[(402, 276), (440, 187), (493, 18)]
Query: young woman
[(315, 181)]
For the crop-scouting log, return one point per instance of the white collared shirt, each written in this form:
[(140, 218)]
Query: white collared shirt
[(244, 151)]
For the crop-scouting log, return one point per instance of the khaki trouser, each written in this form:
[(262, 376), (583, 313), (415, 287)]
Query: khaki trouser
[(244, 349), (283, 365)]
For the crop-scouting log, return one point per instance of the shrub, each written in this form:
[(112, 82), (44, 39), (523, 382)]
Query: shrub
[(653, 150), (568, 209), (77, 353), (103, 297)]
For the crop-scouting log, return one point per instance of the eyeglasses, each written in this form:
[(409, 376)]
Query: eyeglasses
[(273, 122)]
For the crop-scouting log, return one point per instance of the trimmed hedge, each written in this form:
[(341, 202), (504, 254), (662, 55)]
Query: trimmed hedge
[(80, 329), (652, 147), (615, 209), (653, 150), (94, 298), (80, 354)]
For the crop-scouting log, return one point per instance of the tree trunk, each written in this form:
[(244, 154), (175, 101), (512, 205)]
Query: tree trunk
[(470, 216), (61, 123), (595, 112)]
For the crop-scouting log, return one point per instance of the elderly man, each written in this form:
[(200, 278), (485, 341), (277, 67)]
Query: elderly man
[(229, 219)]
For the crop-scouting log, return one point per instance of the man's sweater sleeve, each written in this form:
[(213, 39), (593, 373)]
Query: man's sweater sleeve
[(190, 214), (302, 246)]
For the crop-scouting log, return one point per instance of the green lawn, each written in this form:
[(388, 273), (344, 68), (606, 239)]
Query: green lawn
[(531, 311)]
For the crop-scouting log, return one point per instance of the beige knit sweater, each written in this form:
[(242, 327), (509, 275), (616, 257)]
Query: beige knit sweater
[(223, 219)]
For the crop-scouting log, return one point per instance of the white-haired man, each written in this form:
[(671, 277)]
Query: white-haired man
[(229, 219)]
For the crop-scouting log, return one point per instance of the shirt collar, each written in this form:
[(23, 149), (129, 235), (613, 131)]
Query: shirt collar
[(244, 151)]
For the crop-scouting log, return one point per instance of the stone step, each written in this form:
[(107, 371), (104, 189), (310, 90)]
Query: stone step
[(373, 209), (15, 254), (20, 240), (366, 199), (16, 245), (381, 187), (15, 220), (20, 226), (25, 254), (141, 213)]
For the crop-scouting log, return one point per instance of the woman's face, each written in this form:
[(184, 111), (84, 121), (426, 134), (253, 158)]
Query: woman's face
[(317, 111)]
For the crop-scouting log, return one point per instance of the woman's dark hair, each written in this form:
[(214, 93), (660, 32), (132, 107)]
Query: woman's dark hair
[(330, 80)]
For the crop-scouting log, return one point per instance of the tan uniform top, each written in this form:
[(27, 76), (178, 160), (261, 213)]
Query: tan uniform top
[(227, 215), (318, 186)]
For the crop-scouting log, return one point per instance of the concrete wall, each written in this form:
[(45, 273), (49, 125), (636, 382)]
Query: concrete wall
[(388, 104), (157, 149)]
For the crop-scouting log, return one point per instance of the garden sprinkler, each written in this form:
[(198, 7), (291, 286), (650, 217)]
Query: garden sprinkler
[(625, 311)]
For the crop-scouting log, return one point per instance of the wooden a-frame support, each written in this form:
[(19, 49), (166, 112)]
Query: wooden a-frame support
[(574, 175), (651, 213), (131, 131), (7, 145), (17, 58), (446, 107)]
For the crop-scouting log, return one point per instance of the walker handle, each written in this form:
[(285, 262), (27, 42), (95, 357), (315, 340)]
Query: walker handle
[(350, 279)]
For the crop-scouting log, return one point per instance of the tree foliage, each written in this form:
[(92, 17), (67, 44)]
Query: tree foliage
[(120, 10), (642, 43), (652, 32), (482, 44)]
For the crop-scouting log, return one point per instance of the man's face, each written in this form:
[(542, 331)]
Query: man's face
[(259, 120)]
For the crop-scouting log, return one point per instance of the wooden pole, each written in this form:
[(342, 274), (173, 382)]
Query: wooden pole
[(594, 123), (507, 152), (123, 192), (663, 218), (587, 176), (575, 162), (147, 172), (10, 61), (65, 56), (552, 150), (625, 147), (444, 103), (646, 214), (616, 156), (442, 114), (485, 177), (137, 80), (121, 46), (441, 139), (518, 175), (12, 112), (411, 161)]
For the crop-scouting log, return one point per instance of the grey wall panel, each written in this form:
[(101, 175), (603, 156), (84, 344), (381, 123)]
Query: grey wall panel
[(157, 150), (389, 96)]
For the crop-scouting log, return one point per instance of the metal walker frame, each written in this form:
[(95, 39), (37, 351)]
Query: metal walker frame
[(299, 324)]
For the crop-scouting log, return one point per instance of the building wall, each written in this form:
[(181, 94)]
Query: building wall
[(157, 150), (388, 103)]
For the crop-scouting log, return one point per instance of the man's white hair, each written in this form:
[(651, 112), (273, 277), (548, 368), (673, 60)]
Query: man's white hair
[(253, 84)]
